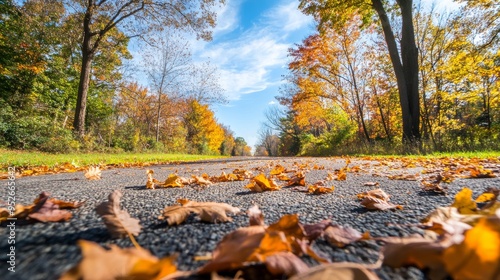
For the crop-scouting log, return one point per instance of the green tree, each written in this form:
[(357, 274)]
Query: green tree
[(134, 18)]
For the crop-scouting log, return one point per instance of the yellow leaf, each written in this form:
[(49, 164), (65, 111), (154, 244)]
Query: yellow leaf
[(464, 203), (478, 256), (485, 197)]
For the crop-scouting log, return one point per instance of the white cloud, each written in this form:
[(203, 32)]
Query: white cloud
[(248, 63), (227, 17), (288, 17), (271, 102)]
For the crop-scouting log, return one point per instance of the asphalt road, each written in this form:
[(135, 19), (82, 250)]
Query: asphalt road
[(46, 250)]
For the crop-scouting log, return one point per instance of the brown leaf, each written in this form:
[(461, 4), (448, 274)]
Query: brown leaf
[(117, 221), (235, 249), (117, 263), (338, 271), (404, 177), (480, 172), (341, 236), (46, 211), (211, 212), (256, 216), (313, 231), (371, 184), (377, 193), (277, 170), (374, 203), (285, 263), (93, 173), (414, 251), (299, 179)]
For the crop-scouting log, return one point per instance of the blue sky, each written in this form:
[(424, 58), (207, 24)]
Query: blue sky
[(249, 48)]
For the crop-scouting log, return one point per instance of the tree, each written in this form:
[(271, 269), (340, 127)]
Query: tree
[(269, 141), (166, 74), (334, 14), (203, 132), (100, 17), (241, 148)]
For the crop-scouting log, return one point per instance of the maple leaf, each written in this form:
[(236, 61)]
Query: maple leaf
[(299, 179), (260, 183), (340, 236), (464, 202), (338, 271), (117, 263), (478, 255), (93, 173), (320, 188), (277, 170), (47, 211), (118, 221), (211, 212)]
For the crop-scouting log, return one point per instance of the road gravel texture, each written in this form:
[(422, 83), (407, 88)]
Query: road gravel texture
[(46, 250)]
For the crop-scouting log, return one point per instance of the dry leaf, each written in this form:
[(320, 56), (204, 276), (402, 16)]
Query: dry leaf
[(338, 271), (285, 263), (277, 170), (415, 251), (340, 236), (46, 211), (260, 184), (478, 255), (152, 182), (211, 212), (93, 173), (235, 249), (480, 172), (256, 216), (299, 179), (320, 188), (374, 203), (371, 184), (404, 177), (117, 263), (378, 193), (464, 202), (201, 181), (117, 221)]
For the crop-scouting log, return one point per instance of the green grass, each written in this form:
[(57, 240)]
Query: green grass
[(481, 154), (28, 159)]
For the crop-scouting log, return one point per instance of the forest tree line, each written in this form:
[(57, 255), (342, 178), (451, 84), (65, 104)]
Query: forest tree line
[(341, 94), (65, 78)]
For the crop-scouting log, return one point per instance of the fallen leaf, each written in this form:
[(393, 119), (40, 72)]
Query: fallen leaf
[(46, 211), (341, 236), (464, 202), (256, 216), (378, 193), (117, 221), (211, 212), (338, 271), (260, 183), (320, 188), (371, 184), (478, 255), (201, 181), (299, 179), (277, 170), (93, 173), (374, 203), (285, 263), (404, 177), (480, 172), (117, 263)]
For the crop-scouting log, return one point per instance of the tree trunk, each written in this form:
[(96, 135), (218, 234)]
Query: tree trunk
[(406, 72), (409, 55), (83, 86)]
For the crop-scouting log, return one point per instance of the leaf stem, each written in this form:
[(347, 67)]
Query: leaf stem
[(132, 239)]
